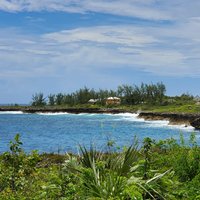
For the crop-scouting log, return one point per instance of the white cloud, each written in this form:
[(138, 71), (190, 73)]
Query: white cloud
[(76, 57), (144, 9), (133, 8), (156, 50), (10, 6), (120, 35), (173, 10)]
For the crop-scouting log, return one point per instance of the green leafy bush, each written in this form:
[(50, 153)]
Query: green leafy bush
[(158, 170)]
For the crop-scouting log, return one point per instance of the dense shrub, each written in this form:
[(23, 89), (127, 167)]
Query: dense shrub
[(158, 170)]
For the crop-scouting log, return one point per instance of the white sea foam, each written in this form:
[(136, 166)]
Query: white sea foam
[(64, 113), (127, 114), (133, 117), (92, 114), (11, 112), (129, 117), (184, 127), (152, 123), (83, 114), (50, 113), (166, 124), (157, 123)]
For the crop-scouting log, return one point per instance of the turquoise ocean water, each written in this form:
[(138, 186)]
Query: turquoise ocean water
[(61, 132)]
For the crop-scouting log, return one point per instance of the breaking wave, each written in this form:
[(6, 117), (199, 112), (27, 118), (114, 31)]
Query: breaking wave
[(152, 123), (11, 112), (52, 114)]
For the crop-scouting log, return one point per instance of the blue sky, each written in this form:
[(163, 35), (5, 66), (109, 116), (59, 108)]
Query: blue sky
[(55, 46)]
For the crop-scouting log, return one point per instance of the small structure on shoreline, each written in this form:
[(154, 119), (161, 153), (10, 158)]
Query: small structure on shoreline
[(93, 101), (113, 101)]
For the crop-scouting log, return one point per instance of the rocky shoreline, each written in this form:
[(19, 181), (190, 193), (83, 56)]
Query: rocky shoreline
[(174, 118), (68, 110)]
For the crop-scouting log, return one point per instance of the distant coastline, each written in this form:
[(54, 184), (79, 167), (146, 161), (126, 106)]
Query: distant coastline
[(31, 109), (188, 119)]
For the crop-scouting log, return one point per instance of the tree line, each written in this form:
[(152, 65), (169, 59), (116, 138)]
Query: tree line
[(129, 95)]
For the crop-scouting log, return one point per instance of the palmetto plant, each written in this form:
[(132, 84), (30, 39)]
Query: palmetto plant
[(108, 175), (102, 176)]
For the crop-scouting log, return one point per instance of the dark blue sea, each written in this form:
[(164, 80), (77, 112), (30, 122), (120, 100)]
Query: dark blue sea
[(61, 132)]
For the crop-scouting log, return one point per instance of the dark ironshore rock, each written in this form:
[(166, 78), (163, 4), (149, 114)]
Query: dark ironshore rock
[(174, 118), (196, 123)]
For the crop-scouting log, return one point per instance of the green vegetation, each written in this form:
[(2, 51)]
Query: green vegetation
[(146, 97), (38, 100), (130, 95), (158, 170)]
